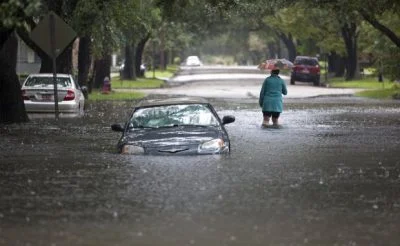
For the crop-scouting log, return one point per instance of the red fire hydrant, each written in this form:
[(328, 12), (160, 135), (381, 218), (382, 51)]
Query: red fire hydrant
[(106, 86)]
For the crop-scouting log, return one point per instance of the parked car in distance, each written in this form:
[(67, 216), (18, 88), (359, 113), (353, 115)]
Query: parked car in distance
[(174, 126), (305, 69), (38, 94), (192, 61)]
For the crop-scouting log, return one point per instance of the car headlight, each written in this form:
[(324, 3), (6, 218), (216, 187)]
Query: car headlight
[(132, 149), (212, 146)]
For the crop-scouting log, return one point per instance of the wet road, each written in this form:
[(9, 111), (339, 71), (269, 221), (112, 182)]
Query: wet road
[(330, 176)]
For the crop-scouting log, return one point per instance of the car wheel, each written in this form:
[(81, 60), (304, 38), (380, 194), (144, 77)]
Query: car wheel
[(292, 82)]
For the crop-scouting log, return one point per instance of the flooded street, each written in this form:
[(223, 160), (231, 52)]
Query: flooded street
[(329, 176)]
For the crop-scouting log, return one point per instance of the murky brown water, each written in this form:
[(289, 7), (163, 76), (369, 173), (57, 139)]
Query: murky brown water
[(330, 176)]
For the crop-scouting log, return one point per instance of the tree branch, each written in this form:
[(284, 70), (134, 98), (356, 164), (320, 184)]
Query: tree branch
[(382, 28)]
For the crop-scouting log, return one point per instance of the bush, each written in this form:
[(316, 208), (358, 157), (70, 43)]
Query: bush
[(177, 60)]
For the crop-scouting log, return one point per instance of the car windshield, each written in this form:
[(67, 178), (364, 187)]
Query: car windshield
[(193, 59), (309, 62), (48, 81), (173, 115)]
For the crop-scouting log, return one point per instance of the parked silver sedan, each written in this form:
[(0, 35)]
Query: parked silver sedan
[(38, 94)]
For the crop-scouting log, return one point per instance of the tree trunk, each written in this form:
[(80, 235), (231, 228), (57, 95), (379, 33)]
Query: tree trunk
[(162, 47), (5, 34), (279, 48), (84, 60), (12, 107), (349, 34), (336, 64), (128, 72), (291, 47), (272, 51), (103, 69), (139, 53)]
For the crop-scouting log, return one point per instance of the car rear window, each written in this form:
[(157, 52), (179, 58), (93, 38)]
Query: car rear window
[(46, 81), (309, 62)]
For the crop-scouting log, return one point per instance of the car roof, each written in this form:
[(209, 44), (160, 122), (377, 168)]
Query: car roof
[(171, 101), (63, 75)]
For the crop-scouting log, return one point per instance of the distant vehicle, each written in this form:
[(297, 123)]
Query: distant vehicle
[(174, 126), (192, 61), (38, 94), (306, 69)]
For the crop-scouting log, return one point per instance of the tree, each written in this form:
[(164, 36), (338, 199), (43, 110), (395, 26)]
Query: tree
[(64, 9), (372, 10), (137, 20), (12, 108), (12, 15)]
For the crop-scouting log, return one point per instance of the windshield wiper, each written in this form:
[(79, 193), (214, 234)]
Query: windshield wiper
[(194, 125), (144, 127)]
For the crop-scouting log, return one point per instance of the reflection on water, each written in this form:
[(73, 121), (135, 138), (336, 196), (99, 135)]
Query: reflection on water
[(328, 176)]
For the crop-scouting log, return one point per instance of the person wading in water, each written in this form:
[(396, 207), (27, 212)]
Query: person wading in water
[(270, 99)]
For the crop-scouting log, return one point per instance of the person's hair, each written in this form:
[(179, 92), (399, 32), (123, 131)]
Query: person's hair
[(275, 71)]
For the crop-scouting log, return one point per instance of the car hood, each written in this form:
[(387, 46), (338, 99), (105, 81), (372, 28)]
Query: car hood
[(171, 139)]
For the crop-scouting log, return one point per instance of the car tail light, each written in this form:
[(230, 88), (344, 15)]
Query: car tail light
[(24, 96), (296, 68), (70, 95), (316, 69)]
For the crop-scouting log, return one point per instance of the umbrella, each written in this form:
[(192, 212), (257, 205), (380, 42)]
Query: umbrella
[(274, 64)]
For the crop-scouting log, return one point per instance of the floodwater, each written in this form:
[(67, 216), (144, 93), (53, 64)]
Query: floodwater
[(329, 176)]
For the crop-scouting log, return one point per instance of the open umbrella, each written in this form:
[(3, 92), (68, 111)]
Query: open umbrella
[(273, 64)]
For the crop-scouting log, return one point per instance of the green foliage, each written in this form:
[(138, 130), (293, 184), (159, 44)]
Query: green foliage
[(98, 96), (366, 83), (14, 12), (86, 14), (384, 53), (116, 83), (380, 94)]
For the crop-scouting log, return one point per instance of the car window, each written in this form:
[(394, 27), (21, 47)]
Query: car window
[(309, 62), (77, 84), (48, 81), (193, 58), (172, 115)]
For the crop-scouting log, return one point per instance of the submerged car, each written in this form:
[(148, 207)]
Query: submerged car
[(38, 94), (188, 126)]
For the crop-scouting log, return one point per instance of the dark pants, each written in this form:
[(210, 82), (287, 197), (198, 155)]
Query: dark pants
[(274, 115)]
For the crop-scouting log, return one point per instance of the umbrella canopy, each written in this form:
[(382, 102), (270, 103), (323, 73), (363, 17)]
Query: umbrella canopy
[(275, 64)]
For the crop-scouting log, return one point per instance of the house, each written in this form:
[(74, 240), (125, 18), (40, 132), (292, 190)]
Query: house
[(27, 60)]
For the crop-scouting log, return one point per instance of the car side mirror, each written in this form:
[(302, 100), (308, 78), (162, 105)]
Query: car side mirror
[(228, 119), (117, 127)]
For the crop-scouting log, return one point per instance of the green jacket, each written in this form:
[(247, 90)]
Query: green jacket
[(271, 94)]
